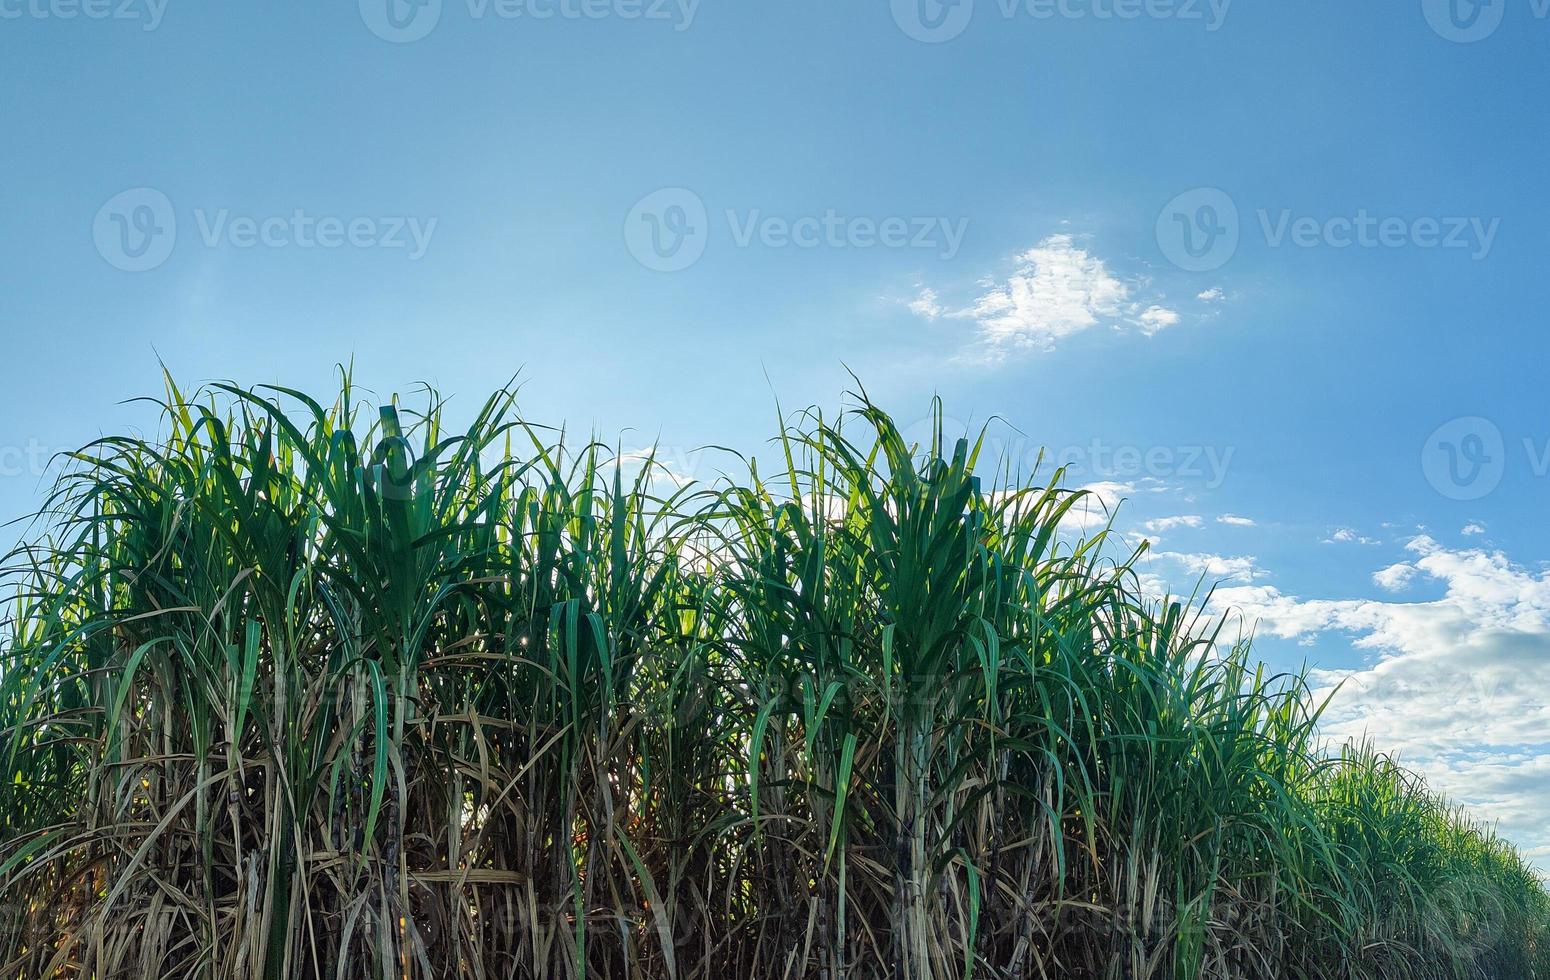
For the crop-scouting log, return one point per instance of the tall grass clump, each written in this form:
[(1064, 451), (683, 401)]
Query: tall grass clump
[(312, 689)]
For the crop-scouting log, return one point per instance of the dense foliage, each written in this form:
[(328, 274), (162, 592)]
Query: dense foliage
[(306, 690)]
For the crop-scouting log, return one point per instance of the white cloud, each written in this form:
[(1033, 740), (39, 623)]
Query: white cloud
[(1097, 506), (926, 304), (1057, 289), (675, 468), (1157, 319), (1345, 535), (1169, 523), (1395, 578), (1212, 295), (1473, 528), (1236, 521), (1215, 567), (1459, 685)]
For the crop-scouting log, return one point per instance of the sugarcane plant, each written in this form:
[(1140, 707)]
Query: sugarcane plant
[(302, 688)]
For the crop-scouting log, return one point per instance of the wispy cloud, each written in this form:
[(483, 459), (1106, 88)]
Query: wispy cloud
[(1169, 523), (1217, 568), (1057, 289), (925, 304), (1460, 685), (1236, 521), (1096, 507), (1157, 318), (1346, 535), (675, 468)]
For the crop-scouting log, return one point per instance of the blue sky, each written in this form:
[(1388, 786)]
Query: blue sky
[(1279, 263)]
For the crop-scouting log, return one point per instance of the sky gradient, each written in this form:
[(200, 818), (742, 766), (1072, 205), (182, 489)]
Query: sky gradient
[(1271, 275)]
